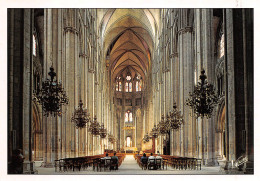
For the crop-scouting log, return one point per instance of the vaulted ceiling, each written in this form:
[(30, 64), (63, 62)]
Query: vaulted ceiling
[(128, 36)]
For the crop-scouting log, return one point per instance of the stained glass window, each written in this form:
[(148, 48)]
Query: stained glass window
[(138, 86), (126, 117), (120, 86), (130, 117), (126, 86), (130, 86), (34, 45), (117, 86), (128, 77)]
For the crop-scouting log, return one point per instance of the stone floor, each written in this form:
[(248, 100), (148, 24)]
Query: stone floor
[(130, 167)]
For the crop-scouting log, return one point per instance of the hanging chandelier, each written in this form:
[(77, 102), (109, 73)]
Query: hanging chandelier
[(175, 118), (80, 117), (146, 138), (163, 126), (51, 96), (103, 131), (203, 99), (155, 132), (94, 127)]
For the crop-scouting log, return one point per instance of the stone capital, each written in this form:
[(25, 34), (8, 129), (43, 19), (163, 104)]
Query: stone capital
[(71, 29), (174, 54), (187, 29), (83, 55), (91, 71)]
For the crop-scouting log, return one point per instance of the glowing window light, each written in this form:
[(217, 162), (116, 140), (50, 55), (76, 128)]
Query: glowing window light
[(117, 86), (120, 86), (126, 117), (137, 86), (126, 86), (128, 77), (221, 47), (130, 86), (34, 45)]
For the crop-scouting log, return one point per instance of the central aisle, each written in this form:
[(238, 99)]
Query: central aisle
[(129, 165)]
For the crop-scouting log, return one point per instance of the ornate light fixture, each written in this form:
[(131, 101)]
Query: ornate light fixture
[(94, 127), (203, 99), (146, 138), (175, 118), (80, 116), (103, 131), (111, 138), (51, 96), (154, 133), (163, 126)]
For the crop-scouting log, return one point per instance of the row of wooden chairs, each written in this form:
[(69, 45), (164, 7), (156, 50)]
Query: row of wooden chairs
[(75, 164), (183, 163), (105, 164), (82, 163)]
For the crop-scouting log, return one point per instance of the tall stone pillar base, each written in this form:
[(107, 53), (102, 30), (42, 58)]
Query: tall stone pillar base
[(29, 168), (212, 162), (47, 164), (223, 165), (226, 167)]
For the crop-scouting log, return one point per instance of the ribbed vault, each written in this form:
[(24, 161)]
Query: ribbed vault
[(128, 41)]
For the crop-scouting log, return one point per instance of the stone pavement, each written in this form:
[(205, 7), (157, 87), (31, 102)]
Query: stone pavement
[(130, 167)]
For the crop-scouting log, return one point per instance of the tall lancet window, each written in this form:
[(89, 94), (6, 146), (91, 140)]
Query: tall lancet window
[(128, 84), (138, 84), (128, 117), (34, 45), (221, 46), (128, 141), (118, 84)]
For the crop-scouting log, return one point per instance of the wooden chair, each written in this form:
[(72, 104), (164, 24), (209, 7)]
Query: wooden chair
[(144, 163), (102, 164), (107, 164), (76, 164), (61, 165), (114, 164), (68, 165), (57, 165), (198, 163), (96, 163), (182, 163), (165, 162), (158, 163), (191, 163), (151, 164)]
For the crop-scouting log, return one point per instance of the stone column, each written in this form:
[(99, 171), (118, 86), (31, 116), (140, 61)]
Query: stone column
[(249, 103), (208, 65), (230, 93), (55, 58), (198, 67), (20, 22), (47, 121), (71, 58)]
